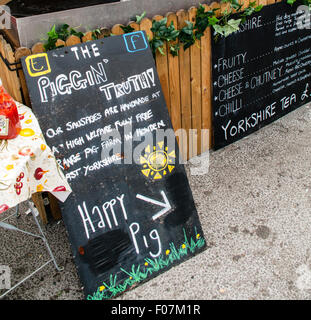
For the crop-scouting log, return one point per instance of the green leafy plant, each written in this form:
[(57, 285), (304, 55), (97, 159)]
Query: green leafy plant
[(62, 33), (204, 19), (95, 33), (163, 33), (227, 24), (127, 29), (187, 36), (141, 17)]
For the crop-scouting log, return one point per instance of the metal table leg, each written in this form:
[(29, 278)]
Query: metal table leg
[(40, 236)]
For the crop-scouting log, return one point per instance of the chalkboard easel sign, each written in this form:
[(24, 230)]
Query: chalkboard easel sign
[(131, 215), (261, 72)]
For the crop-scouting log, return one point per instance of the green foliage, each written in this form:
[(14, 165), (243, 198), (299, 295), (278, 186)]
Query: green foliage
[(95, 34), (140, 273), (187, 36), (226, 25), (163, 33), (141, 17), (229, 27), (223, 26), (204, 19), (62, 33), (52, 38), (127, 29)]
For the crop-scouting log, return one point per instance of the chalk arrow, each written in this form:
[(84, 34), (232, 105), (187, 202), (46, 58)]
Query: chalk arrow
[(166, 205)]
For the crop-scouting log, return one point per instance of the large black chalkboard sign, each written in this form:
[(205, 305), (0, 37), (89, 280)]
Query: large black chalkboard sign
[(131, 214), (260, 73)]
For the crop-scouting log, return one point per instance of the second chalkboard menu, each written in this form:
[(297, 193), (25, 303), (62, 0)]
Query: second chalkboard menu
[(260, 73), (131, 215)]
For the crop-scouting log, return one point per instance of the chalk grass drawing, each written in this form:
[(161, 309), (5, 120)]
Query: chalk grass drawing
[(139, 273)]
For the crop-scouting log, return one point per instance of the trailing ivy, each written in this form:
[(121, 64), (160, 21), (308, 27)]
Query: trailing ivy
[(222, 25), (62, 33), (163, 33)]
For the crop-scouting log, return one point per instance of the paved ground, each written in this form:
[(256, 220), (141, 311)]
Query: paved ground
[(255, 208)]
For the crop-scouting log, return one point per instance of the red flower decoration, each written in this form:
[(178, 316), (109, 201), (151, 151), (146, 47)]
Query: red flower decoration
[(3, 208), (59, 189), (26, 151), (39, 173)]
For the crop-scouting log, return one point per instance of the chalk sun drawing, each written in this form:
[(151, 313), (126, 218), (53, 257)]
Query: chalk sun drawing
[(157, 161)]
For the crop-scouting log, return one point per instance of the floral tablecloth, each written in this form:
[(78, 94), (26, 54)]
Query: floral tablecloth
[(27, 165)]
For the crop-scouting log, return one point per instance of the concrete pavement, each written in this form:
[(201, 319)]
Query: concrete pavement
[(255, 209)]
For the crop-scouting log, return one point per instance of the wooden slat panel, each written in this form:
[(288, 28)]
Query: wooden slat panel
[(88, 36), (216, 5), (146, 25), (134, 25), (185, 88), (246, 4), (174, 81), (38, 48), (55, 209), (16, 85), (72, 40), (224, 7), (117, 30), (23, 52), (262, 2), (38, 201), (206, 74), (3, 67), (60, 43), (196, 92), (162, 67), (9, 78), (104, 32)]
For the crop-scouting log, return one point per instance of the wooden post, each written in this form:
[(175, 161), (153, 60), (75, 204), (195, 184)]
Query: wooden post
[(15, 82), (72, 40), (87, 37), (162, 67), (196, 92), (146, 25), (185, 88), (19, 53), (117, 30), (3, 70), (38, 201), (207, 86), (174, 80)]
